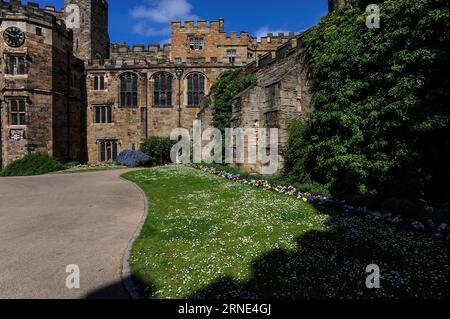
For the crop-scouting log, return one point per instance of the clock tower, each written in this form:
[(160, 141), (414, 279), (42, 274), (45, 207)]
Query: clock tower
[(14, 37), (40, 84)]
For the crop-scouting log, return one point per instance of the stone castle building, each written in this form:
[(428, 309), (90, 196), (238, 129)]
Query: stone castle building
[(66, 90), (42, 101)]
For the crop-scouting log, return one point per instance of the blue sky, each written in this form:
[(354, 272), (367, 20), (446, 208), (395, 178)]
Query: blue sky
[(148, 21)]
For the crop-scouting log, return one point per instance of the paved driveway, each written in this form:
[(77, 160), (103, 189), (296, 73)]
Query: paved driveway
[(48, 222)]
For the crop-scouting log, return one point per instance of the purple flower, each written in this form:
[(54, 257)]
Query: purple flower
[(130, 158)]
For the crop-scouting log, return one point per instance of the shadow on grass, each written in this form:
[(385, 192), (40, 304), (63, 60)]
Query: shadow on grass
[(332, 264)]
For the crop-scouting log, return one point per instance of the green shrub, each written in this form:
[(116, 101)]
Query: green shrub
[(34, 164), (158, 148), (295, 167)]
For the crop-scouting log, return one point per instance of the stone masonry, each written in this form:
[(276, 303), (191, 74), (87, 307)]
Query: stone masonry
[(280, 96), (79, 105), (51, 116), (130, 126)]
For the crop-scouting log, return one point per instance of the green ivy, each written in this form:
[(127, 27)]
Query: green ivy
[(227, 86), (380, 97)]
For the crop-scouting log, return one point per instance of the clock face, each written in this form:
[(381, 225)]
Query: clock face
[(14, 37)]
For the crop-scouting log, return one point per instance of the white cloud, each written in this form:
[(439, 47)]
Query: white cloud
[(263, 31), (144, 29), (163, 11), (160, 12)]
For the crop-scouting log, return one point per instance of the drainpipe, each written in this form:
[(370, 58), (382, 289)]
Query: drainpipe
[(179, 72)]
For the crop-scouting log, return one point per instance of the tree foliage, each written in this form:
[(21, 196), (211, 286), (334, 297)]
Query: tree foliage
[(380, 98), (158, 149)]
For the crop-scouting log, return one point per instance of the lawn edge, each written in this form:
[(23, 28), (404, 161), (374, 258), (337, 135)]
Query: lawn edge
[(128, 282)]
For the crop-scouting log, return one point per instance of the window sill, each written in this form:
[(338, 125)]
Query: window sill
[(23, 76), (163, 107), (17, 127), (192, 106)]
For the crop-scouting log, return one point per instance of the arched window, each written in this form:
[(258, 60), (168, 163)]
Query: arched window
[(195, 89), (128, 90), (162, 90)]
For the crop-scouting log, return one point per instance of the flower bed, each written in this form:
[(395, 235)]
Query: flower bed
[(439, 231)]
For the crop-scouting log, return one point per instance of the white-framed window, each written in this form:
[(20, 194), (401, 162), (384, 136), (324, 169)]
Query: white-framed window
[(196, 43), (232, 54)]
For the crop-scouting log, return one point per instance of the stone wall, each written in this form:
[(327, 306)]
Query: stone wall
[(268, 44), (140, 51), (217, 42), (280, 96), (52, 112), (58, 86), (91, 37), (131, 126)]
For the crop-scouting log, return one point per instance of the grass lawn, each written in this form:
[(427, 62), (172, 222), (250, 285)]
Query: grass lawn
[(207, 237)]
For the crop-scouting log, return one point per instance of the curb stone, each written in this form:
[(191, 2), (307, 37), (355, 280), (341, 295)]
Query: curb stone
[(129, 284)]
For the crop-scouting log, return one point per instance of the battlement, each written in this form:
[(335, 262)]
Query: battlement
[(270, 38), (124, 48), (202, 26), (101, 3), (154, 62), (30, 8), (291, 46), (47, 15), (193, 26)]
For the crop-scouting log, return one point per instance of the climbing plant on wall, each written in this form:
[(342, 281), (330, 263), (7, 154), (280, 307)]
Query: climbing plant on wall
[(228, 85), (380, 98)]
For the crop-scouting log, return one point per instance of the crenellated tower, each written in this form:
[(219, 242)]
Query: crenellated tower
[(89, 21)]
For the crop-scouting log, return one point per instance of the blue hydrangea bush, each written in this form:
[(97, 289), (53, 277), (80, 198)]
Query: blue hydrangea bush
[(130, 158)]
